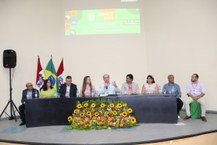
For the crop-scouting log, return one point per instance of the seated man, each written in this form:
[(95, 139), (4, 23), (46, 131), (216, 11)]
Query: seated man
[(28, 93), (195, 92), (172, 88), (108, 88), (129, 87), (68, 89)]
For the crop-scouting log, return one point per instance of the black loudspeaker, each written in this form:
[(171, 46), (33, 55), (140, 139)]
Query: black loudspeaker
[(9, 58)]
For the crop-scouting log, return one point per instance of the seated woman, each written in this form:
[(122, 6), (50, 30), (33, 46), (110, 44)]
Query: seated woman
[(87, 89), (47, 90), (150, 87)]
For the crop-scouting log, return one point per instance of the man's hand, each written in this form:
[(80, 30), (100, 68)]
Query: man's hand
[(195, 98), (198, 97), (114, 84)]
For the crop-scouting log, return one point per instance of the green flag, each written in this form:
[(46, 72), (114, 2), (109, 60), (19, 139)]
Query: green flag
[(50, 73)]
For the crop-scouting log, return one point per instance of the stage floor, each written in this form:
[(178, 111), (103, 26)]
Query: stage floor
[(10, 131)]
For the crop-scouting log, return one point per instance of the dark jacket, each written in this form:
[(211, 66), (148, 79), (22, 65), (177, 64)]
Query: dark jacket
[(73, 90), (34, 94)]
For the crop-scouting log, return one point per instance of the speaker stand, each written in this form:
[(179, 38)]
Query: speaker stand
[(11, 104)]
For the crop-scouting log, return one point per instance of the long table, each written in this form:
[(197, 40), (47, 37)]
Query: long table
[(147, 109)]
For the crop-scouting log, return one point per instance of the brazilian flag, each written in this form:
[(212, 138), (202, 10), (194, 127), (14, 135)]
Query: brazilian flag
[(50, 73)]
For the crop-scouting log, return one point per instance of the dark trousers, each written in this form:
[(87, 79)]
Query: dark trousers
[(179, 105), (22, 112)]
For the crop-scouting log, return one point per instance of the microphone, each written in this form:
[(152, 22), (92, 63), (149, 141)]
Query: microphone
[(106, 86)]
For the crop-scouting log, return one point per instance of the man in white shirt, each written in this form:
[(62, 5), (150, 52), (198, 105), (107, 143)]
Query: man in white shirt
[(129, 87), (107, 87), (195, 92)]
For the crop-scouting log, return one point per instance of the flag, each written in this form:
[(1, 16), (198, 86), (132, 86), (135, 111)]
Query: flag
[(50, 73), (60, 75), (39, 75)]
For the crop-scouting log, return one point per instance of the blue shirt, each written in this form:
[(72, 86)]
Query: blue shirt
[(172, 89)]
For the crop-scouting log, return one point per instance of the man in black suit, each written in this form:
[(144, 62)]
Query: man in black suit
[(28, 93), (68, 89)]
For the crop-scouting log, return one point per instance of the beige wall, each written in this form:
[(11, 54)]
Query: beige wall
[(181, 38), (177, 37), (31, 28)]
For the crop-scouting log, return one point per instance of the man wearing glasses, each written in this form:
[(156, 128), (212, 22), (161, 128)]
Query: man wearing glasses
[(28, 93), (130, 87)]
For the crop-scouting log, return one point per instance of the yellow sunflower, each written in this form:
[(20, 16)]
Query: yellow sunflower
[(124, 114), (129, 110), (79, 106), (106, 112), (102, 105), (76, 111), (93, 105), (96, 114), (133, 120), (115, 113), (119, 105), (86, 105), (88, 113), (70, 118), (124, 104), (82, 115), (112, 105)]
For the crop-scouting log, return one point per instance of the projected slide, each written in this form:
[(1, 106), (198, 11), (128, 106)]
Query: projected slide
[(102, 21)]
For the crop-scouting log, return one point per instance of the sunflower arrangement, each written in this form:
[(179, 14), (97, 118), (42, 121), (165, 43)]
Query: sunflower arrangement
[(101, 114)]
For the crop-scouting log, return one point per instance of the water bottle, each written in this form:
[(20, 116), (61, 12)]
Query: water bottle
[(28, 96), (164, 91), (55, 94), (77, 94), (159, 89), (92, 94), (125, 91), (36, 95)]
